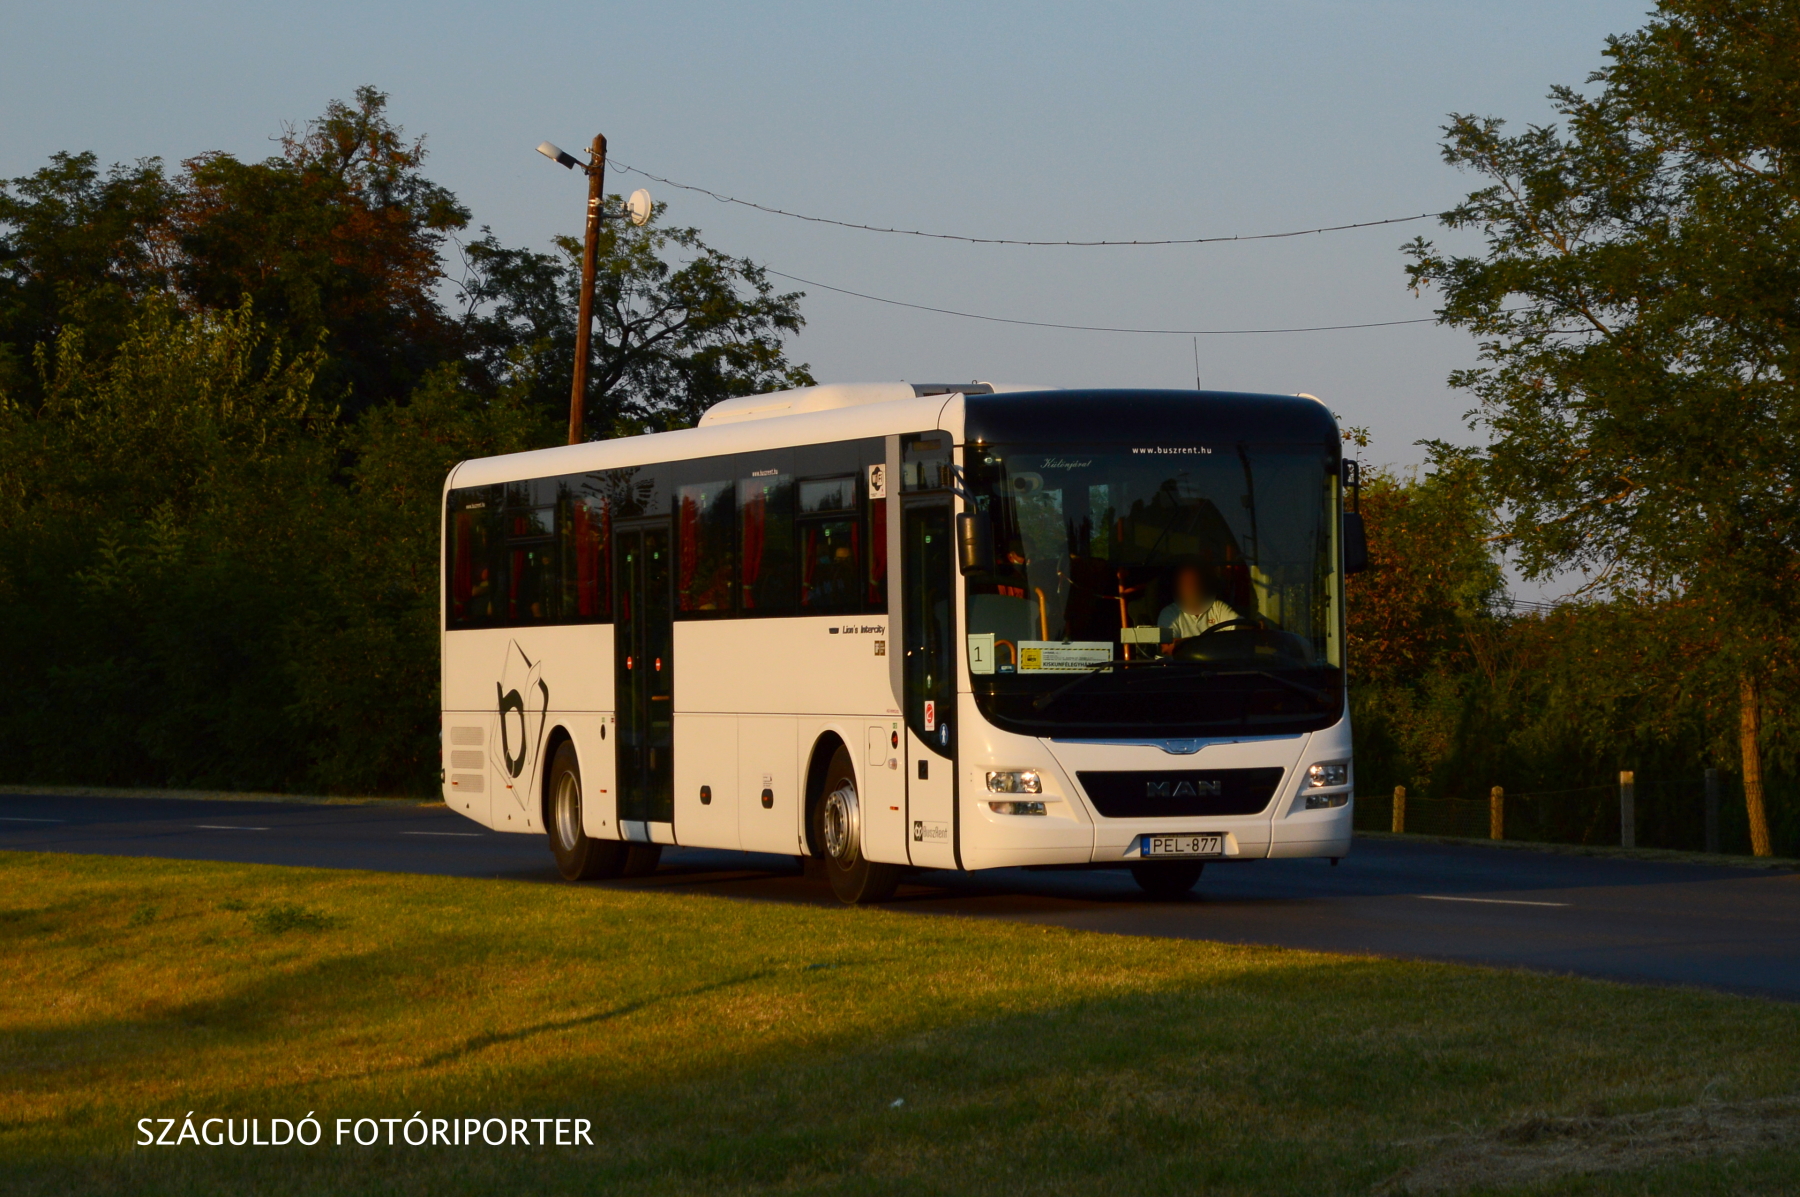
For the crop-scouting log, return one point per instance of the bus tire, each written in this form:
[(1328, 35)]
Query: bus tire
[(1168, 880), (578, 858), (836, 834)]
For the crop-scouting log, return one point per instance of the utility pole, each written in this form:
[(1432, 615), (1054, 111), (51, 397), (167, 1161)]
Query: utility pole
[(638, 210), (590, 249)]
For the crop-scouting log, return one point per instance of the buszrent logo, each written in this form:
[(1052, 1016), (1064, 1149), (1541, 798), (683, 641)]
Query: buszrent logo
[(925, 832)]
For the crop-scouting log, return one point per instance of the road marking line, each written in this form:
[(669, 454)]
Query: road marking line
[(474, 835), (226, 827), (23, 819), (1486, 901)]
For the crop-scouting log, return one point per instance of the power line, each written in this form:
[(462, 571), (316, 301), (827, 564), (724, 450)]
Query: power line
[(870, 228), (1151, 332)]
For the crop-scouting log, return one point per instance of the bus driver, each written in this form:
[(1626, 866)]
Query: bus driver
[(1194, 610)]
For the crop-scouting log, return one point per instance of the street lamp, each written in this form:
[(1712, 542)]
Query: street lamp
[(637, 210)]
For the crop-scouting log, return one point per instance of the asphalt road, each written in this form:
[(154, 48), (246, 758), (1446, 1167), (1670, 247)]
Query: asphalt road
[(1686, 924)]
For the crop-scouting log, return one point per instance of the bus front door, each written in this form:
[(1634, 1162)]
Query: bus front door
[(644, 682), (929, 634)]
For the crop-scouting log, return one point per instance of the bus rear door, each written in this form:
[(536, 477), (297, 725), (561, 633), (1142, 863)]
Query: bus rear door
[(644, 681)]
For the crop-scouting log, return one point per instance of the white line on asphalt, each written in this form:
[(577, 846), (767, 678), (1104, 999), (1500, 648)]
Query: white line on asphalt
[(474, 835), (226, 827), (23, 819), (1486, 901)]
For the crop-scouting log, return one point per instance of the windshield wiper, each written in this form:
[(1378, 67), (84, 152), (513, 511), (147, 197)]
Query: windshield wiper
[(1049, 696), (1316, 695)]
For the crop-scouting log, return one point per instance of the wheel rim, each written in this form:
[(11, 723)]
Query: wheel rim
[(568, 811), (843, 823)]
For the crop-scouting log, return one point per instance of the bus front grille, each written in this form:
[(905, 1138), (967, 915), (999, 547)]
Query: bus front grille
[(1180, 793)]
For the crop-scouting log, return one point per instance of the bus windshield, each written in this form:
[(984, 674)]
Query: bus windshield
[(1157, 591)]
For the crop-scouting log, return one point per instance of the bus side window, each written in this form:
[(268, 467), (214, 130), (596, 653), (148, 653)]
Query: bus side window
[(470, 560), (830, 546), (704, 560), (829, 566), (876, 599), (531, 581), (584, 532), (766, 528)]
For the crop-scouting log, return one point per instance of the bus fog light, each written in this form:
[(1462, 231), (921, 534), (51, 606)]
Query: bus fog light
[(1017, 808), (1325, 801), (1331, 773), (1017, 781)]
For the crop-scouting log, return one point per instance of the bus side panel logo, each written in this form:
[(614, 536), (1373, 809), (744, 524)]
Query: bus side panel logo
[(523, 700)]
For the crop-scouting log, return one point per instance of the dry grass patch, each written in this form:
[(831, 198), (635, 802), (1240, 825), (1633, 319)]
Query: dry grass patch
[(1542, 1149)]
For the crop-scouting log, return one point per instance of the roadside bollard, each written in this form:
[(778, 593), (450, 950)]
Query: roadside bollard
[(1399, 809), (1627, 809), (1497, 813)]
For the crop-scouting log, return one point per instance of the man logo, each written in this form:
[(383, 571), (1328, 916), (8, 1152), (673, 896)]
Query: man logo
[(1203, 788)]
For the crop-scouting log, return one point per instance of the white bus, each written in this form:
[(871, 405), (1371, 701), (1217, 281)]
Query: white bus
[(898, 626)]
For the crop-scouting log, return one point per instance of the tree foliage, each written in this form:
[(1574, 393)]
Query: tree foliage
[(678, 325), (1636, 304), (229, 397)]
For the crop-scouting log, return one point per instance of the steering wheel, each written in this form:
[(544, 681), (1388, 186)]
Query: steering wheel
[(1255, 621), (1200, 648)]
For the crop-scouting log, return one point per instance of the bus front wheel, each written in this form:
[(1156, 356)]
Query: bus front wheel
[(578, 858), (1167, 880), (836, 829)]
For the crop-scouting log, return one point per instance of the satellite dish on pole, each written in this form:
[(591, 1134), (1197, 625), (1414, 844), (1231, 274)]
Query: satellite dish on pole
[(639, 208)]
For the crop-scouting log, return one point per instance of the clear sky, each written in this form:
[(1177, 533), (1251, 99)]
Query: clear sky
[(1030, 120)]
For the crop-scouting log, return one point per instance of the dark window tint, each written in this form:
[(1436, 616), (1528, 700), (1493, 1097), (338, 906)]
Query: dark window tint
[(707, 531), (925, 462), (766, 507), (830, 566), (537, 521), (930, 625), (471, 591), (531, 581), (877, 597), (585, 527), (828, 494)]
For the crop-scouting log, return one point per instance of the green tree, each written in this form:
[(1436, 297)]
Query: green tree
[(77, 247), (1424, 623), (1636, 309), (678, 325), (337, 240), (228, 401)]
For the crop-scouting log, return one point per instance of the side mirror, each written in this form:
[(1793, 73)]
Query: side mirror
[(1356, 543), (975, 543)]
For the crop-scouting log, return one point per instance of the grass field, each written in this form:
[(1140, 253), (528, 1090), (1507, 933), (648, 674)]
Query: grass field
[(734, 1047)]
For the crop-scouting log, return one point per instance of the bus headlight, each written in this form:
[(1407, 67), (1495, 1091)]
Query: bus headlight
[(1017, 808), (1331, 773), (1016, 781)]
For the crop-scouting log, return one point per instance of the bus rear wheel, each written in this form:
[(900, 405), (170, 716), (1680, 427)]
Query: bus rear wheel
[(836, 834), (578, 858), (1167, 880)]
